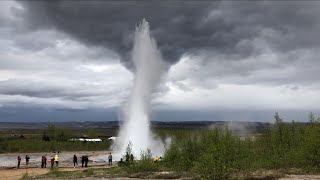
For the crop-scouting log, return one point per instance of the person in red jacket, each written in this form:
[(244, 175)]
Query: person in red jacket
[(43, 162), (52, 162)]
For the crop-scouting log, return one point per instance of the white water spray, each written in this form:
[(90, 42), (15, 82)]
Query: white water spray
[(148, 65)]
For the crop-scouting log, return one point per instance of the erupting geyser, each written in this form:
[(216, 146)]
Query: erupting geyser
[(148, 68)]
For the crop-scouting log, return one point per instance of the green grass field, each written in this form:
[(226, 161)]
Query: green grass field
[(52, 138)]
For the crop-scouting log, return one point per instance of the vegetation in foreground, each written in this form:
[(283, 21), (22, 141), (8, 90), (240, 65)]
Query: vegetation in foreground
[(285, 148), (113, 172), (218, 154)]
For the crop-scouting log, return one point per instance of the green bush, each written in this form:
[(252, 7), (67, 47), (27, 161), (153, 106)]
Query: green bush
[(217, 153), (145, 164), (311, 145), (220, 157), (182, 153)]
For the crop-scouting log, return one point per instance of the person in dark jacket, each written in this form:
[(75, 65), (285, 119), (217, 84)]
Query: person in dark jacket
[(110, 159), (86, 160), (45, 161), (27, 160), (42, 161), (19, 161), (75, 161), (82, 160)]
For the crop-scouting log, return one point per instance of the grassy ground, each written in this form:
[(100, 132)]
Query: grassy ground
[(119, 172), (36, 145), (45, 140), (113, 172)]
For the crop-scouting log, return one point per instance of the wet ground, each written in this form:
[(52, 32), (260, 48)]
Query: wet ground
[(65, 158)]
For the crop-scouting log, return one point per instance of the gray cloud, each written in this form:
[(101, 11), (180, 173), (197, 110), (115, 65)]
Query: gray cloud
[(182, 27), (59, 95), (45, 89), (51, 51)]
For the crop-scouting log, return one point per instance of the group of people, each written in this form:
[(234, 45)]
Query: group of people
[(129, 158), (27, 161), (54, 161), (84, 160), (156, 159)]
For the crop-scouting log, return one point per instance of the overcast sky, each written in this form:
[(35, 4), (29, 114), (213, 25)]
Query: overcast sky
[(226, 60)]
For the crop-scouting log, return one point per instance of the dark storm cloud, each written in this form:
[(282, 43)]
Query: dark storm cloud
[(182, 26), (112, 24)]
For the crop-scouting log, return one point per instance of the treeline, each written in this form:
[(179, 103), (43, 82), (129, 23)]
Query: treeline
[(219, 154), (51, 139)]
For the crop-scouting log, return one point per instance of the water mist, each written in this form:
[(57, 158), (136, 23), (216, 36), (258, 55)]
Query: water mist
[(148, 69)]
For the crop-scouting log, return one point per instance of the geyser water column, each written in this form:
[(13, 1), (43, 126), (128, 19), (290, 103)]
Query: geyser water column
[(148, 68)]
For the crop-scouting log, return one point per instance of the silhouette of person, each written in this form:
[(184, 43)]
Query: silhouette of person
[(110, 159), (82, 160), (27, 160), (75, 161), (19, 161), (86, 160)]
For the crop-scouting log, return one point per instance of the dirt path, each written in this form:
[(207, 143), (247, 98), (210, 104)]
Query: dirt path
[(301, 177), (15, 174)]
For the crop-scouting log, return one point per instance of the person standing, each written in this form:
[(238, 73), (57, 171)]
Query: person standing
[(27, 160), (42, 161), (19, 161), (52, 162), (56, 159), (45, 161), (82, 160), (86, 160), (110, 159), (75, 161)]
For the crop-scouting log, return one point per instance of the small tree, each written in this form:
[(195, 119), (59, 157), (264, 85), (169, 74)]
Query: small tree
[(128, 152)]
